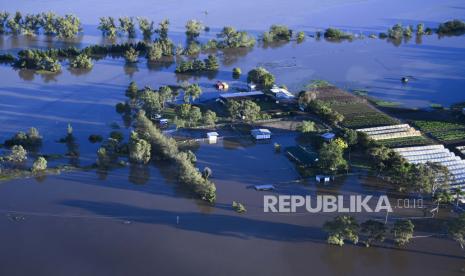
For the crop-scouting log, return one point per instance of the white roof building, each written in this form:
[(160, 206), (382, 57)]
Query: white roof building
[(261, 133), (281, 93)]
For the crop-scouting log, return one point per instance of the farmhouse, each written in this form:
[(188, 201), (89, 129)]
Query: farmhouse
[(260, 133), (242, 96)]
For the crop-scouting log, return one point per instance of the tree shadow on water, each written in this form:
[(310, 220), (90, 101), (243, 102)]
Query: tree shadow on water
[(215, 224)]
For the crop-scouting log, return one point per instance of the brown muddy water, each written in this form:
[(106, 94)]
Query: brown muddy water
[(139, 221)]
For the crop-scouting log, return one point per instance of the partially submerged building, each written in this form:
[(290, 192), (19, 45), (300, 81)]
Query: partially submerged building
[(212, 137), (260, 133)]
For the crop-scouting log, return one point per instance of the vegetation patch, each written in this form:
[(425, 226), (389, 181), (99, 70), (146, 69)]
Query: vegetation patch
[(442, 130)]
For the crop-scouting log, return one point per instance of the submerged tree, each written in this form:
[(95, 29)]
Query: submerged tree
[(374, 230), (131, 55), (402, 231), (163, 28), (126, 25), (261, 77), (146, 27), (193, 28), (139, 149), (81, 61), (342, 228), (39, 165), (108, 27)]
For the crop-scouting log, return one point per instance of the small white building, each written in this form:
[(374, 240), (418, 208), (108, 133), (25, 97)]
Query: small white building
[(260, 133), (281, 93), (212, 137), (322, 178)]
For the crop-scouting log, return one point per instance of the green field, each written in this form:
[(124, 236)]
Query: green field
[(360, 115), (442, 130)]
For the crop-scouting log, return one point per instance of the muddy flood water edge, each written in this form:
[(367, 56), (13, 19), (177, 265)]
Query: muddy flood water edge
[(138, 219)]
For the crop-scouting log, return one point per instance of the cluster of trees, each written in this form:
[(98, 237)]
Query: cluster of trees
[(261, 77), (139, 149), (81, 61), (127, 26), (189, 115), (37, 60), (307, 126), (245, 110), (15, 162), (277, 33), (346, 228), (67, 26), (31, 140), (229, 37), (210, 64), (426, 178), (307, 100), (453, 27), (336, 34), (331, 156), (397, 32), (166, 148)]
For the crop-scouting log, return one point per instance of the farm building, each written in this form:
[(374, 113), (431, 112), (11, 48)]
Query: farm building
[(242, 96), (260, 133), (212, 137), (390, 132), (437, 154), (281, 93)]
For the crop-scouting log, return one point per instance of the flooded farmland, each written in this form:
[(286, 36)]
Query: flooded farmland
[(138, 220)]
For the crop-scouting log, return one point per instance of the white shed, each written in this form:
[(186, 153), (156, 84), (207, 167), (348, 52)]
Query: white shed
[(212, 137), (260, 133)]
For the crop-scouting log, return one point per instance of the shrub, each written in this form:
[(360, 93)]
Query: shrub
[(332, 33), (277, 33), (453, 27), (17, 155), (307, 126), (81, 61), (236, 73), (131, 55), (238, 207)]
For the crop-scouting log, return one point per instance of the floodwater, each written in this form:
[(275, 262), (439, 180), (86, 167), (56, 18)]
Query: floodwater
[(138, 220)]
